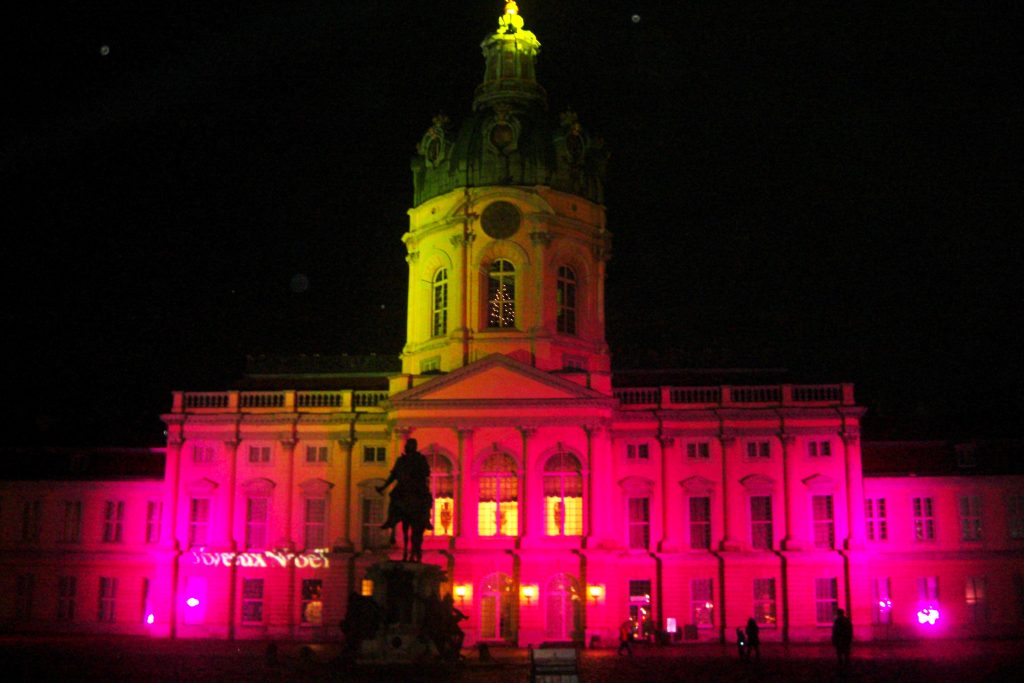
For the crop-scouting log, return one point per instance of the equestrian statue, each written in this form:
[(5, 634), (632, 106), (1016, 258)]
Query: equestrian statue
[(410, 500)]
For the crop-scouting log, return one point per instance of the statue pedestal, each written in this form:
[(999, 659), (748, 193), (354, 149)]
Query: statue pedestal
[(409, 597)]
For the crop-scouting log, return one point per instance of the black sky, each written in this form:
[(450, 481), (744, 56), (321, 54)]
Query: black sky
[(792, 184)]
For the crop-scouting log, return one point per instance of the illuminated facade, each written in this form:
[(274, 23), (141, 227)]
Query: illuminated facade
[(566, 498)]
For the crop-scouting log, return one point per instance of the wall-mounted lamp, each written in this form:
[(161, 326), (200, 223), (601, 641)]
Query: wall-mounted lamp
[(463, 592), (192, 602), (528, 591), (366, 588), (595, 592), (929, 615)]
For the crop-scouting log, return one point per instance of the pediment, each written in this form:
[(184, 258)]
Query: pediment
[(496, 378)]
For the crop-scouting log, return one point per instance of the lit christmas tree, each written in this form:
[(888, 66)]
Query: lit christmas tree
[(502, 307)]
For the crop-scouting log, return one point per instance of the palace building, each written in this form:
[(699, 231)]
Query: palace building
[(567, 497)]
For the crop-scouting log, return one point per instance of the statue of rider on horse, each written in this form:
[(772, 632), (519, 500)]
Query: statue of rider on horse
[(410, 500)]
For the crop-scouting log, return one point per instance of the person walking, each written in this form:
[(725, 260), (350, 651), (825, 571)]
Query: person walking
[(753, 639), (625, 636), (842, 638)]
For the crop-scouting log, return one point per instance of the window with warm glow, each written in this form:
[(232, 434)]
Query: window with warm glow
[(563, 608), (566, 300), (563, 495), (974, 594), (496, 607), (702, 603), (764, 603), (498, 506), (442, 488), (312, 607), (501, 295), (439, 304)]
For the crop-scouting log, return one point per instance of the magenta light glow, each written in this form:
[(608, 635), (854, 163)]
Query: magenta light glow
[(150, 619), (192, 602), (928, 615)]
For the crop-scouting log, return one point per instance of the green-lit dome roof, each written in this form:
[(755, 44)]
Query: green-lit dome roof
[(510, 138)]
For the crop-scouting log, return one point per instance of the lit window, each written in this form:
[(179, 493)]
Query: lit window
[(374, 454), (256, 510), (881, 599), (970, 518), (764, 603), (259, 455), (639, 522), (252, 601), (638, 451), (501, 295), (497, 607), (816, 449), (316, 454), (924, 520), (498, 507), (702, 605), (563, 496), (761, 522), (759, 450), (154, 519), (439, 305), (826, 600), (700, 522), (977, 605), (113, 521), (928, 592), (442, 488), (566, 300), (312, 607), (698, 450), (107, 600), (874, 519), (824, 522), (563, 608), (199, 522), (316, 523), (31, 521)]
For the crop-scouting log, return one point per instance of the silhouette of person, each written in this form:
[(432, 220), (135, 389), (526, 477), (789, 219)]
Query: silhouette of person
[(741, 643), (411, 497), (842, 637), (753, 639), (625, 636)]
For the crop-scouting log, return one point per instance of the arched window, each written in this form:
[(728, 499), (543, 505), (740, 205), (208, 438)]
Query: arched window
[(496, 607), (563, 608), (498, 507), (563, 496), (566, 300), (439, 305), (501, 294), (442, 487)]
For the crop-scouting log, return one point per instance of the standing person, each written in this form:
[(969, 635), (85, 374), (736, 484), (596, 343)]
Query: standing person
[(625, 635), (753, 639), (741, 643), (842, 637)]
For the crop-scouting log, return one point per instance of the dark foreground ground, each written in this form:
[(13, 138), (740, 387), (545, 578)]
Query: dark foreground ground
[(138, 659)]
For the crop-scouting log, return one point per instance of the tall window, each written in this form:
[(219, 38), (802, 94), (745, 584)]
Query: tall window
[(154, 517), (764, 603), (566, 300), (439, 305), (24, 597), (67, 593), (312, 607), (373, 517), (927, 592), (107, 600), (702, 605), (970, 518), (442, 487), (563, 496), (874, 519), (761, 522), (639, 522), (498, 507), (924, 520), (316, 454), (316, 523), (199, 522), (71, 530), (826, 600), (113, 521), (881, 600), (31, 521), (496, 607), (977, 605), (563, 608), (256, 510), (700, 522), (501, 294), (824, 522), (252, 601)]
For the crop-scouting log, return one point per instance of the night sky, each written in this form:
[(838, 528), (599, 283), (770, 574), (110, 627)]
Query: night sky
[(798, 185)]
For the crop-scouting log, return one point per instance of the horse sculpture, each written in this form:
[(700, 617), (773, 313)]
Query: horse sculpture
[(410, 500)]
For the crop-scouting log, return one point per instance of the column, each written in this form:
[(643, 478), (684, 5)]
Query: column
[(288, 453), (854, 491), (226, 535), (523, 504), (794, 539), (731, 524), (345, 511), (465, 510), (669, 499)]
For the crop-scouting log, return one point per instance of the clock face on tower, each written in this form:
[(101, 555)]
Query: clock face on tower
[(501, 220)]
